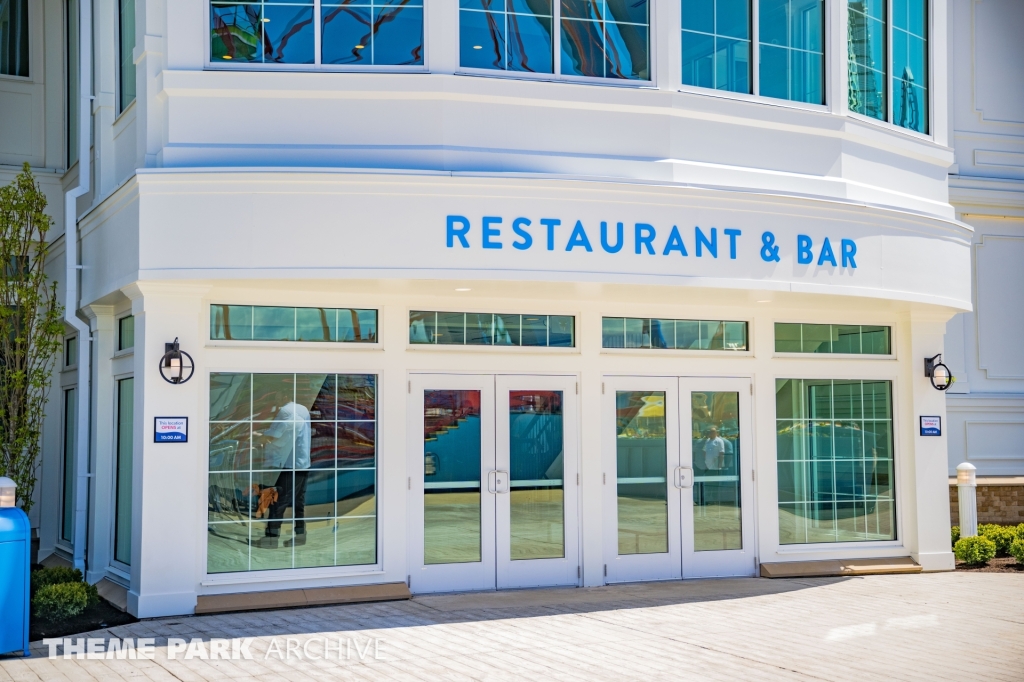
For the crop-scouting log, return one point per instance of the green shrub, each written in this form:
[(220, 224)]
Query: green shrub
[(61, 601), (1017, 550), (55, 575), (954, 533), (62, 575), (1003, 536), (1020, 531), (974, 551)]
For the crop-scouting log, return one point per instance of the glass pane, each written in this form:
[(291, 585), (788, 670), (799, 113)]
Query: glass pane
[(866, 48), (125, 457), (273, 324), (236, 33), (126, 17), (451, 476), (792, 58), (482, 40), (314, 324), (227, 547), (529, 43), (232, 322), (451, 328), (506, 330), (126, 333), (835, 470), (422, 327), (635, 336), (582, 45), (536, 475), (716, 466), (817, 338), (398, 36), (534, 330), (699, 15), (910, 65), (626, 53), (687, 334), (288, 34), (346, 35), (68, 493), (642, 463), (230, 446), (561, 332), (478, 329), (613, 332), (663, 334), (698, 59)]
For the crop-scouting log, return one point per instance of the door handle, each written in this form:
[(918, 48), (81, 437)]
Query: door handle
[(684, 477), (492, 481), (500, 482)]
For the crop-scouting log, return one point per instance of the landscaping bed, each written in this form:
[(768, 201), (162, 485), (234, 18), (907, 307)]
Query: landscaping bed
[(1006, 564), (96, 617)]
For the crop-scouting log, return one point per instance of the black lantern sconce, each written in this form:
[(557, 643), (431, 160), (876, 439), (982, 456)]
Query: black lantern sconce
[(176, 366), (940, 375)]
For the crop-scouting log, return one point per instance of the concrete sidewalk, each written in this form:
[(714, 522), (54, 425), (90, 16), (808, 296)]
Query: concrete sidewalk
[(905, 627)]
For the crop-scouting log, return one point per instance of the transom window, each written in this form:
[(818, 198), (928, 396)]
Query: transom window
[(790, 56), (596, 38), (853, 339), (491, 329), (278, 323), (350, 33), (643, 332)]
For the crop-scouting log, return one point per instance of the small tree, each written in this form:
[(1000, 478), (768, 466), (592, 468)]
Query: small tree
[(31, 330)]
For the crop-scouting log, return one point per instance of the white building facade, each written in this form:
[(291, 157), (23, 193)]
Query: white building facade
[(485, 296)]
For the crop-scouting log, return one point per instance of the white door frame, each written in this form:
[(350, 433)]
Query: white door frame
[(539, 572), (638, 567), (718, 563), (478, 575)]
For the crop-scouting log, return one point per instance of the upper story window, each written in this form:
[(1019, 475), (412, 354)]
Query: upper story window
[(853, 339), (279, 323), (126, 333), (126, 62), (71, 351), (875, 52), (790, 58), (596, 38), (14, 38), (491, 329), (351, 33)]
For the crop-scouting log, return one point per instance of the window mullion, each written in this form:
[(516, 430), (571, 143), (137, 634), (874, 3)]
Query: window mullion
[(317, 34), (755, 48), (888, 59)]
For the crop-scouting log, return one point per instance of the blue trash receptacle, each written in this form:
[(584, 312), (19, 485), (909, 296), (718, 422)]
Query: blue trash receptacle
[(15, 541)]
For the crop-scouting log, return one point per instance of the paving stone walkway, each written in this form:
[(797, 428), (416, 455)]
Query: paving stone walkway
[(908, 627)]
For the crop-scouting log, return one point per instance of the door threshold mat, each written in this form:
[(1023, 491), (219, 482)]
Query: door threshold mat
[(284, 599), (840, 567)]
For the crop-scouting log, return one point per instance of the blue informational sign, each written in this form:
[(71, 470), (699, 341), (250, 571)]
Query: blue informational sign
[(931, 426), (170, 429)]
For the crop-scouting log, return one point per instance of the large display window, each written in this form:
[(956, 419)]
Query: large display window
[(835, 461), (292, 471)]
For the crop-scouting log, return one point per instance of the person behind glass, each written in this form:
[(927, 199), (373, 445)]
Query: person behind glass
[(714, 450), (286, 447)]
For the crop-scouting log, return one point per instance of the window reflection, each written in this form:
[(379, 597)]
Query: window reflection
[(270, 323), (487, 329), (292, 471), (606, 38), (512, 36), (641, 472), (634, 332), (910, 65), (791, 50), (372, 32), (716, 44), (268, 32), (867, 56)]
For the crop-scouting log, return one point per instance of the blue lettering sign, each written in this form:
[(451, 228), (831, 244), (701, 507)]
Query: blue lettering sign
[(491, 232), (527, 239)]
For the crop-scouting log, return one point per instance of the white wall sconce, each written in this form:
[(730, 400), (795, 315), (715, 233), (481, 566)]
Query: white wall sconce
[(940, 375), (176, 366)]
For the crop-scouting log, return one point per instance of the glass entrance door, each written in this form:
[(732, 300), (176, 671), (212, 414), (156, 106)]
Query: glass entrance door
[(716, 478), (678, 478), (494, 479)]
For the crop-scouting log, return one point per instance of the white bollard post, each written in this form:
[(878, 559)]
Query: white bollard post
[(967, 495)]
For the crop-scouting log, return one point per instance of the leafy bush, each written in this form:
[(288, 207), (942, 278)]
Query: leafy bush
[(1003, 536), (954, 533), (55, 575), (974, 551), (1020, 531), (1017, 550), (61, 601)]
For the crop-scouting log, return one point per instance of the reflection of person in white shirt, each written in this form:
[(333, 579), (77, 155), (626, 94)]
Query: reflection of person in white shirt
[(287, 449), (714, 450)]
